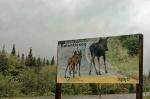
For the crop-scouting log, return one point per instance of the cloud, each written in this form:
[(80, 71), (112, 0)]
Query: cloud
[(41, 23)]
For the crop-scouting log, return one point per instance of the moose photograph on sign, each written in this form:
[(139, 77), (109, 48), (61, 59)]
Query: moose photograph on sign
[(99, 60)]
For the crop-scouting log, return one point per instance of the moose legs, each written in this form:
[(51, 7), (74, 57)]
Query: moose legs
[(79, 67), (67, 69), (93, 61), (71, 68), (99, 65), (104, 58), (76, 69), (99, 69), (90, 67)]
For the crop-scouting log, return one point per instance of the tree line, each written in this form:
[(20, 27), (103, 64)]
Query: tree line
[(25, 75), (28, 60)]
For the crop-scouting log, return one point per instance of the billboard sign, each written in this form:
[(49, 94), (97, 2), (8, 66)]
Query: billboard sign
[(99, 60)]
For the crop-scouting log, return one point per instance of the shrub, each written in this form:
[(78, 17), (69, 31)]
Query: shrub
[(131, 43)]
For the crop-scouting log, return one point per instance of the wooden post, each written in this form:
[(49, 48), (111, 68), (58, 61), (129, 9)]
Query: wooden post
[(58, 91), (58, 85), (139, 87)]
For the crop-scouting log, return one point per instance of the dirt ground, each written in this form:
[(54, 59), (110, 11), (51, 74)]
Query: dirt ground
[(116, 96)]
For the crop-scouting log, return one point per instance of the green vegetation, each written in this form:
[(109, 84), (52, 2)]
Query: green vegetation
[(95, 89), (131, 43), (123, 54), (147, 97), (26, 75), (146, 85), (29, 76)]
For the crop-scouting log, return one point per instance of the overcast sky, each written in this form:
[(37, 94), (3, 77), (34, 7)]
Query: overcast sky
[(41, 23)]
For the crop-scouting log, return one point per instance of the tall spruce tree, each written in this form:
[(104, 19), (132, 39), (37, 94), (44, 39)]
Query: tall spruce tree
[(13, 52), (26, 61), (3, 50), (47, 62), (18, 56), (22, 60), (39, 61), (34, 61), (44, 61), (53, 61), (149, 75), (3, 61), (30, 58)]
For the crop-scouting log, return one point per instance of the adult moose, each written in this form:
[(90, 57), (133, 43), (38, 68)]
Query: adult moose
[(97, 50)]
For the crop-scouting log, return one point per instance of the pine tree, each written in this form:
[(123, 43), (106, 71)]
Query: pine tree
[(149, 75), (22, 60), (53, 61), (26, 61), (44, 61), (18, 56), (3, 61), (30, 58), (39, 61), (3, 50), (13, 50), (34, 61), (47, 62)]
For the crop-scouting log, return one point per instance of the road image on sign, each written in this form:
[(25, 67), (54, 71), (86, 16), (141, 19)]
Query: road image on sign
[(99, 60)]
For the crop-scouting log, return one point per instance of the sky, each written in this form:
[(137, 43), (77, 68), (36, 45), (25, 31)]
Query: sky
[(41, 23)]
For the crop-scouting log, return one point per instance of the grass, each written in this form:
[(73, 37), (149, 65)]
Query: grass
[(119, 58), (146, 97), (46, 97)]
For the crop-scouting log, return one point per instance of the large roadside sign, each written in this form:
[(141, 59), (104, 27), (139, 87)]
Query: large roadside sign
[(99, 60)]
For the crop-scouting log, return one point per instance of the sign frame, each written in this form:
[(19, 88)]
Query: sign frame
[(139, 86)]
